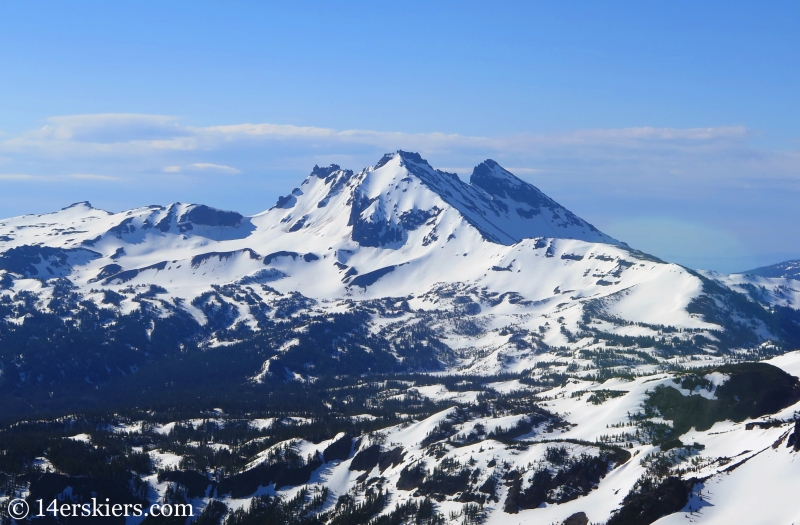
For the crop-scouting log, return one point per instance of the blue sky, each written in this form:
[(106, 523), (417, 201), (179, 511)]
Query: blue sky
[(674, 126)]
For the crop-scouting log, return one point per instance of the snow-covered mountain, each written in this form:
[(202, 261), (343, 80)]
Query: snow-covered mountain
[(404, 269), (786, 269), (521, 274), (399, 212)]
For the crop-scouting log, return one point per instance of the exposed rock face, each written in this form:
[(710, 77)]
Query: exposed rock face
[(579, 518)]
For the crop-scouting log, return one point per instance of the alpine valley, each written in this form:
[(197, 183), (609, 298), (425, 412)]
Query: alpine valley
[(391, 346)]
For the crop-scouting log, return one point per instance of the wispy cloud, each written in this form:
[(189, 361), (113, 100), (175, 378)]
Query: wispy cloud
[(92, 176), (207, 166), (128, 133), (139, 143), (25, 177), (20, 176), (115, 133), (201, 166)]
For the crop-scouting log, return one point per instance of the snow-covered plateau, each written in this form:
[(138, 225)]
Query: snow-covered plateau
[(393, 346)]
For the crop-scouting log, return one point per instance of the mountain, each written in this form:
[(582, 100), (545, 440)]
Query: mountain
[(391, 336), (486, 277), (403, 193), (786, 269)]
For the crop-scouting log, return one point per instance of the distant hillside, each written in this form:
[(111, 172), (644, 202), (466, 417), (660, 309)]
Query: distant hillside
[(785, 269)]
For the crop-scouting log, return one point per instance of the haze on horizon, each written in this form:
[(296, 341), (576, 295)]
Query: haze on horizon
[(672, 126)]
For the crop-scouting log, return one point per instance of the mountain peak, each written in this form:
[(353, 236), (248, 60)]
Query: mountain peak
[(499, 182), (405, 156), (324, 172), (403, 193), (81, 204), (490, 169)]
